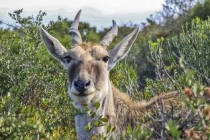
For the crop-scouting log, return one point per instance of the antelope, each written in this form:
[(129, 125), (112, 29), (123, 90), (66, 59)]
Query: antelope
[(88, 66)]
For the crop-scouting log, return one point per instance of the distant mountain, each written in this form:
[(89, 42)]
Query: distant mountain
[(90, 15)]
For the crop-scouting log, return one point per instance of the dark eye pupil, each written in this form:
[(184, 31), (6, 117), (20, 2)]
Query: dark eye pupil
[(67, 58), (105, 59)]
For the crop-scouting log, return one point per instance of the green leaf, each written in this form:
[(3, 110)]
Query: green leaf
[(173, 129), (96, 105), (104, 119), (129, 129), (108, 129), (113, 129), (88, 127), (96, 123)]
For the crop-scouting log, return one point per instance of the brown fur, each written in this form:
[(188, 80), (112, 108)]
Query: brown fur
[(130, 112)]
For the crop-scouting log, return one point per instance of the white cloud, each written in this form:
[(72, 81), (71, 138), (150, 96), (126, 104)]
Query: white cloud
[(98, 13), (105, 6)]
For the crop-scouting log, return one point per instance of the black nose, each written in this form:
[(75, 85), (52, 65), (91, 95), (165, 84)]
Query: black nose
[(81, 85)]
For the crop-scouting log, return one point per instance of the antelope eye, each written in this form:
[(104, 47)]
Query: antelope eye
[(106, 58), (67, 58)]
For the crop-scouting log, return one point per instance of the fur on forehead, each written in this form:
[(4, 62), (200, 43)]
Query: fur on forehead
[(88, 49)]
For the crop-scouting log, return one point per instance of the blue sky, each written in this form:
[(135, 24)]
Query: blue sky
[(123, 11)]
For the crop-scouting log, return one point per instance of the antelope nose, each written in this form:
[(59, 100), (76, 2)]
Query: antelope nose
[(81, 85)]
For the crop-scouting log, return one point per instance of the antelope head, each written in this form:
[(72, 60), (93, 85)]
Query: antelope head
[(88, 64)]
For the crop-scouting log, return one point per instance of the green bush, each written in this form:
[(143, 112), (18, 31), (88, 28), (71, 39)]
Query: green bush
[(125, 78), (34, 100), (189, 49), (182, 63)]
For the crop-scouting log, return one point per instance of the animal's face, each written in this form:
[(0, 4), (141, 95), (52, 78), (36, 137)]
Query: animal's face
[(88, 64), (87, 73)]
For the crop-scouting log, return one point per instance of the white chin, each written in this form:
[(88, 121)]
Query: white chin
[(78, 100), (81, 101), (87, 100)]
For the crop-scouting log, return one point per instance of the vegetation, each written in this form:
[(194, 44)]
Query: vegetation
[(169, 54)]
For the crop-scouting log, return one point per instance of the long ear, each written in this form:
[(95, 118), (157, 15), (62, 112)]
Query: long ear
[(54, 46), (122, 48)]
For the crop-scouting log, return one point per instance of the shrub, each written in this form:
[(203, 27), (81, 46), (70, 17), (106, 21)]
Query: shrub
[(182, 63)]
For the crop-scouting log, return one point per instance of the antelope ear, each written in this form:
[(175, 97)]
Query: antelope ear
[(122, 48), (54, 47)]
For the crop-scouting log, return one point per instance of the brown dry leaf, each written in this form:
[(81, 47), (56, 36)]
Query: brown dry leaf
[(206, 111), (188, 92), (207, 92), (192, 134)]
